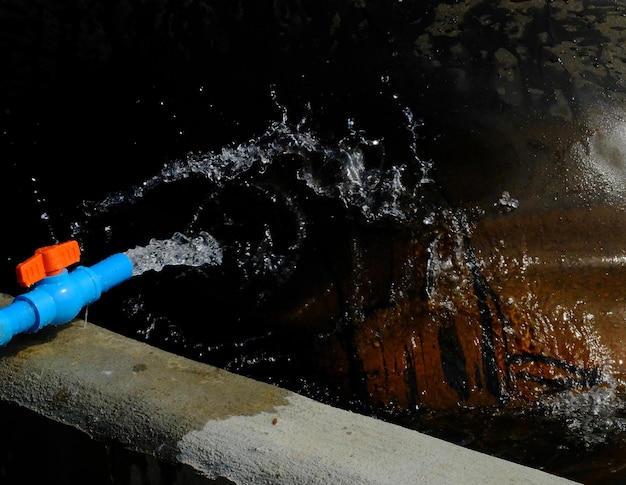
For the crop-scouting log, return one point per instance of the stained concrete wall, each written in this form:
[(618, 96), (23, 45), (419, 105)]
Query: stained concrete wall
[(219, 425)]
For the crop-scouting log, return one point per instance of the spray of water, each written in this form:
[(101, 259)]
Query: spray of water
[(592, 417), (180, 250), (280, 172), (340, 170), (600, 157)]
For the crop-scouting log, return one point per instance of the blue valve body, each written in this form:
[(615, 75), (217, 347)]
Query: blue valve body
[(58, 299)]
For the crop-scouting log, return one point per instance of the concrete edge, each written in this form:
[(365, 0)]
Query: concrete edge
[(221, 424)]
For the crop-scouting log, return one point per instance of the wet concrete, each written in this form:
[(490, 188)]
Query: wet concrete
[(92, 377), (222, 425), (564, 270)]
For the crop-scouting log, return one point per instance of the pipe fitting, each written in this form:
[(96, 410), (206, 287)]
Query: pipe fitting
[(58, 295)]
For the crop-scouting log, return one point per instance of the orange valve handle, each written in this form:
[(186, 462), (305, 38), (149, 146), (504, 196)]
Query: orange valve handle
[(47, 261)]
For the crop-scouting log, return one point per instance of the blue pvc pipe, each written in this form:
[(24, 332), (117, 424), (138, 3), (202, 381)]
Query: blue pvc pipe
[(58, 299)]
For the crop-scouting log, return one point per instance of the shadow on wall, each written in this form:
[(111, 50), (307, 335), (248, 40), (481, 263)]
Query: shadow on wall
[(71, 457)]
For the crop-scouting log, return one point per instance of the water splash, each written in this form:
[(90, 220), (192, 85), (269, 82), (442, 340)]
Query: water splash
[(592, 417), (180, 250), (601, 155), (344, 170)]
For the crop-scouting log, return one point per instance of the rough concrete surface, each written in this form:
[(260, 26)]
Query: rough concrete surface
[(308, 442), (221, 424)]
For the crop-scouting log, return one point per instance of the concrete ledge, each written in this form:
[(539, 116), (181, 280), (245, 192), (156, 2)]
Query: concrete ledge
[(222, 425)]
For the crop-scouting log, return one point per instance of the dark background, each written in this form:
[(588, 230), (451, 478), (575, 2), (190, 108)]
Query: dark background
[(95, 97)]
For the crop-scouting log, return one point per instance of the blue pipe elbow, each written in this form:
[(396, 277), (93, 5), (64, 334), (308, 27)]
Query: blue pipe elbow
[(58, 299)]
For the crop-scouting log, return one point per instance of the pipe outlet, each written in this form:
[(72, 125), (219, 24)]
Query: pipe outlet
[(57, 296)]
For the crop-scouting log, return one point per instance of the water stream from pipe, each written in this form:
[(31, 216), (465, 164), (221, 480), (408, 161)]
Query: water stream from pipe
[(179, 250)]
